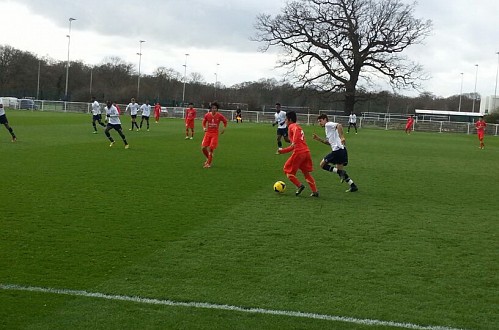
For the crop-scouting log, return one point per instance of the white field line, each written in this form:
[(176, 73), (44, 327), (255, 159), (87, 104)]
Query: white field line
[(368, 322)]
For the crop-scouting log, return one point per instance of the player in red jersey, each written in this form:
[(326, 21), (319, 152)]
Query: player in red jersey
[(211, 123), (409, 124), (480, 130), (157, 112), (190, 115), (300, 159)]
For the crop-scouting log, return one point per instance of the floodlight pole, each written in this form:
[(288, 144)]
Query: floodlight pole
[(474, 96), (91, 79), (216, 80), (140, 59), (461, 93), (495, 90), (185, 72), (38, 81), (67, 64)]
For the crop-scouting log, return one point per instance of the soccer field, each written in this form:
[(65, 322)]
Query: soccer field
[(146, 238)]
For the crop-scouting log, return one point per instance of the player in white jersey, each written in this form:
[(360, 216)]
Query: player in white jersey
[(282, 129), (96, 114), (338, 156), (146, 113), (134, 107), (5, 122), (113, 122), (352, 121)]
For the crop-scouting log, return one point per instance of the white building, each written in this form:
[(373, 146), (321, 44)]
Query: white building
[(489, 104)]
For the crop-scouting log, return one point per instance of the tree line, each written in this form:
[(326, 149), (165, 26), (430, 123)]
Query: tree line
[(23, 74)]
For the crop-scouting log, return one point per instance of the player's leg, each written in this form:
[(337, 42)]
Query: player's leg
[(94, 119), (11, 131), (213, 146), (290, 168), (120, 132), (99, 117), (106, 132)]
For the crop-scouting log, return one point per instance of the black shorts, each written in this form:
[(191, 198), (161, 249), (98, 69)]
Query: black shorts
[(115, 126), (134, 116), (282, 131), (339, 156), (3, 120), (96, 117)]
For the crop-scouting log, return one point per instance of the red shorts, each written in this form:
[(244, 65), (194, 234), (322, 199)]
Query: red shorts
[(189, 123), (301, 161), (480, 135), (210, 140)]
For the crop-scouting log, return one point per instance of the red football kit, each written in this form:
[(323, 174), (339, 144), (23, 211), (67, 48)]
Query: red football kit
[(410, 121), (480, 130), (301, 158), (157, 112), (190, 115), (211, 123)]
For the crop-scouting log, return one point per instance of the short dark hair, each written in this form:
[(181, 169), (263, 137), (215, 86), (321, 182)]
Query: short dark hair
[(214, 104), (278, 103), (291, 116), (323, 116)]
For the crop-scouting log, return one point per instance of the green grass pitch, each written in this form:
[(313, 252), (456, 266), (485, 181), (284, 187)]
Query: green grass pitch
[(418, 244)]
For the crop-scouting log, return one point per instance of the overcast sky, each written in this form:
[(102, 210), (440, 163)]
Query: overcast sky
[(465, 33)]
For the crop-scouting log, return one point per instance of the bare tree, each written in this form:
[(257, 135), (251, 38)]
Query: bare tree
[(331, 44)]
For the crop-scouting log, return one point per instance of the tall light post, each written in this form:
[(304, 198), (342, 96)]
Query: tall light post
[(185, 72), (474, 94), (140, 59), (38, 80), (67, 64), (495, 90), (216, 80), (460, 93), (91, 78)]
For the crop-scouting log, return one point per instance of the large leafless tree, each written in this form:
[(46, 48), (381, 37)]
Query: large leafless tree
[(332, 44)]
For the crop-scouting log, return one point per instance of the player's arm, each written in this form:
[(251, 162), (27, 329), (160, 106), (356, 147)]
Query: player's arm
[(340, 133), (289, 148), (224, 121), (318, 138)]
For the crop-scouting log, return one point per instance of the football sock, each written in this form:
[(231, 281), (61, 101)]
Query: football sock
[(279, 144), (293, 179), (311, 181), (11, 131), (95, 127), (328, 168)]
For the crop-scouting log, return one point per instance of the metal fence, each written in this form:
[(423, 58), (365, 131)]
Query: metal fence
[(380, 121)]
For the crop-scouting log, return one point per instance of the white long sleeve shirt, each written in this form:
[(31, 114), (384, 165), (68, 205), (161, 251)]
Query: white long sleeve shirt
[(280, 118), (333, 136), (96, 108), (134, 107), (113, 115), (146, 110)]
